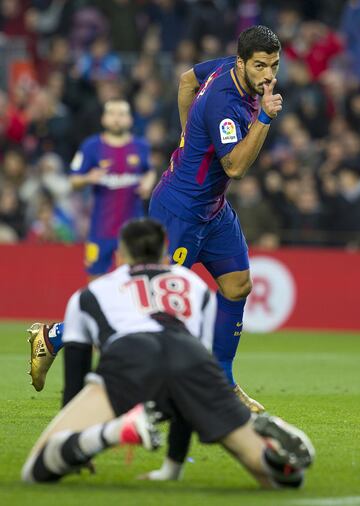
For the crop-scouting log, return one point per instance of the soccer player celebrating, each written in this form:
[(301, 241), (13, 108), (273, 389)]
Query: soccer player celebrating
[(116, 166), (152, 323), (224, 128)]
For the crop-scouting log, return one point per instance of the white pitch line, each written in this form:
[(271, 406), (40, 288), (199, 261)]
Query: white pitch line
[(329, 501)]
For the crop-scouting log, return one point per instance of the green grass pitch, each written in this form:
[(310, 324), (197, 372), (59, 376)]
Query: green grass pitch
[(311, 379)]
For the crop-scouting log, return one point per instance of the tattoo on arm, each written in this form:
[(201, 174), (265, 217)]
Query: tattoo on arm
[(226, 162)]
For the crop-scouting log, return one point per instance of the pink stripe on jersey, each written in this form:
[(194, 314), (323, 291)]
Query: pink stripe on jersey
[(205, 164)]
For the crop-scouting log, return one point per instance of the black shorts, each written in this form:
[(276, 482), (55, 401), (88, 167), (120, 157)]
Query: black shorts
[(172, 368)]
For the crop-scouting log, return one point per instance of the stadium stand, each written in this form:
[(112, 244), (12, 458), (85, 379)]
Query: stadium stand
[(61, 60)]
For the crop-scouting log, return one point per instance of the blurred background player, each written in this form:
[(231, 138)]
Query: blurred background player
[(115, 164), (224, 128), (153, 322)]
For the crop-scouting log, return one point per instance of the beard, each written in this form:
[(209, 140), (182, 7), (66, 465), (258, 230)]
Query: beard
[(252, 86), (117, 131)]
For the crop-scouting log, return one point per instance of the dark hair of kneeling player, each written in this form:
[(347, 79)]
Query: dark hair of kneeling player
[(144, 241)]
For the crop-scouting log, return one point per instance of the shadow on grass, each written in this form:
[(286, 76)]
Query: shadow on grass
[(138, 488)]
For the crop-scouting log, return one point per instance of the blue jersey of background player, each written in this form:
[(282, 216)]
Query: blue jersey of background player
[(223, 132), (116, 164)]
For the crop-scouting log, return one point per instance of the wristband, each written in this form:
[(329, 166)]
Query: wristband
[(264, 118)]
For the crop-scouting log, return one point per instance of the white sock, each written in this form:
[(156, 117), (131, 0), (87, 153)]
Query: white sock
[(91, 440)]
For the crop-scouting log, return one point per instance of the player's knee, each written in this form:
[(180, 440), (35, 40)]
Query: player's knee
[(27, 471), (35, 470), (239, 290), (50, 463), (246, 288)]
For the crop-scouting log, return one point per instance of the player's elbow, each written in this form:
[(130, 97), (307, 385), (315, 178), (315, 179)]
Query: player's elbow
[(236, 171), (239, 173), (183, 78), (233, 167), (188, 79)]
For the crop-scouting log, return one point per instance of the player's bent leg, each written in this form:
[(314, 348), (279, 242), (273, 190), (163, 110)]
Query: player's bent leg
[(225, 255), (234, 287), (45, 341), (275, 452), (86, 426), (248, 447), (231, 298), (89, 407), (67, 451)]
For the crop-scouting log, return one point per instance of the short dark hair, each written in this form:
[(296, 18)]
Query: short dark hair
[(257, 38), (144, 240), (115, 100)]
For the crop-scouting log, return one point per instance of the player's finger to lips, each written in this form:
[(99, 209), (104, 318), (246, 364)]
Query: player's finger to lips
[(271, 86)]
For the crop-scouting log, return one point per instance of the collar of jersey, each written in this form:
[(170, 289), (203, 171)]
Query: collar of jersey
[(237, 83)]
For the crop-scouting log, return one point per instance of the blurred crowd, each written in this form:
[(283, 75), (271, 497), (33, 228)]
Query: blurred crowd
[(76, 54)]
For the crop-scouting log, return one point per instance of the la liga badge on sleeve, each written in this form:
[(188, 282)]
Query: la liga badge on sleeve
[(227, 131)]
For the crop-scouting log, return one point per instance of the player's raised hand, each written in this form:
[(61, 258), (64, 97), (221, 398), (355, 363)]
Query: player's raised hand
[(271, 104)]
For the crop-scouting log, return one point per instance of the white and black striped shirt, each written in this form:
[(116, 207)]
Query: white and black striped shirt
[(144, 298)]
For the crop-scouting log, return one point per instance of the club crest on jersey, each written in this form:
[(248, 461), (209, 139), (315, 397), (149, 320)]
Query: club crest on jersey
[(228, 131), (133, 160), (104, 164)]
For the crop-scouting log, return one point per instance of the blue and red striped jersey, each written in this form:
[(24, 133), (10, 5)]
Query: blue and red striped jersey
[(221, 114), (115, 199)]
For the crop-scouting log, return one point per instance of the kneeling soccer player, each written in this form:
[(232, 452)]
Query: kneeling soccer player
[(153, 324)]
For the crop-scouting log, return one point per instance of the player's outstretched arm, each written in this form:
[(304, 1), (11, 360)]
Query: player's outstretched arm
[(178, 446), (187, 90), (77, 363), (170, 470), (239, 160), (79, 181)]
